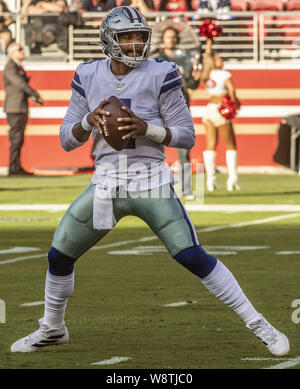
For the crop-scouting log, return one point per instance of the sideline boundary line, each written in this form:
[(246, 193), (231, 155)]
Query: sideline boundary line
[(251, 223), (231, 208)]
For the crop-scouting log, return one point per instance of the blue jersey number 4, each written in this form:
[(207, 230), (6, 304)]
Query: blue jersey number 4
[(131, 143)]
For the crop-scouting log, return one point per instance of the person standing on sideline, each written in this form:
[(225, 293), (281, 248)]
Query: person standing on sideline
[(133, 181), (218, 84), (191, 74), (17, 92)]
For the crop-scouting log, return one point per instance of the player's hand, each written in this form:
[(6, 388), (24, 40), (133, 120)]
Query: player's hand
[(133, 124), (95, 117), (37, 99)]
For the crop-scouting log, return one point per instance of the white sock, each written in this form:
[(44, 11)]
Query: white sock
[(224, 286), (231, 162), (209, 157), (57, 291)]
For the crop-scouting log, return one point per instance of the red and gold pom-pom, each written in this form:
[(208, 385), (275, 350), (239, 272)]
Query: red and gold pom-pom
[(228, 108), (209, 29)]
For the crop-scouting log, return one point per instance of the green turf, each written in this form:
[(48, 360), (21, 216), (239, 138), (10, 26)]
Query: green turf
[(257, 189), (117, 308)]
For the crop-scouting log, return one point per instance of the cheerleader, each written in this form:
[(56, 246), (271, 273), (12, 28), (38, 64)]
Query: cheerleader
[(218, 83)]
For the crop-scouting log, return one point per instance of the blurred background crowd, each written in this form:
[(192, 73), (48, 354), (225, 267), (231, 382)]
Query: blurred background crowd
[(43, 26)]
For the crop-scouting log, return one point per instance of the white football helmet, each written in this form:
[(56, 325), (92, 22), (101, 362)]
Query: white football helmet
[(122, 20)]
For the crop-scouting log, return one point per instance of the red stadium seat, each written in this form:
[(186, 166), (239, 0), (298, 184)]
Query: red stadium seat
[(267, 18), (293, 5), (239, 5), (266, 5), (281, 23)]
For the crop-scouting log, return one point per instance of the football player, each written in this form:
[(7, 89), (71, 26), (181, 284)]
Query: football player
[(135, 181)]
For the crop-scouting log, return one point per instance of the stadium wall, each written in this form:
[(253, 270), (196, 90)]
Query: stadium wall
[(267, 93)]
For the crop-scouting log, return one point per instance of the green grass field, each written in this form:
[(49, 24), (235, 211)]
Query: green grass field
[(123, 284)]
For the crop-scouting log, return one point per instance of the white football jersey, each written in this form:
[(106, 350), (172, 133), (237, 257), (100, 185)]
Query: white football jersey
[(152, 91)]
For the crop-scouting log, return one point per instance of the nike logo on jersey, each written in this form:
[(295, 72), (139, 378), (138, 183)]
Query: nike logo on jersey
[(118, 85)]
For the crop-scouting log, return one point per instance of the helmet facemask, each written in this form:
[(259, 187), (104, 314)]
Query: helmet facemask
[(109, 35), (137, 58)]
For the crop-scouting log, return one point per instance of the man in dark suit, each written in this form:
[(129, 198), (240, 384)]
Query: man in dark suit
[(17, 92)]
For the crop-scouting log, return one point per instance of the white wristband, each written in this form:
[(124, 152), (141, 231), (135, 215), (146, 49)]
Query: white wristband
[(84, 123), (157, 134)]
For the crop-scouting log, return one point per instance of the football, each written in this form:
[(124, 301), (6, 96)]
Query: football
[(110, 127)]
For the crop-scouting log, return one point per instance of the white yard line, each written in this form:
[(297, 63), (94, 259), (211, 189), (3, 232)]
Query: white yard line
[(116, 244), (32, 304), (18, 259), (19, 249), (34, 207), (265, 359), (27, 219), (286, 365), (180, 303), (111, 361), (251, 223), (287, 253), (238, 248), (232, 208)]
